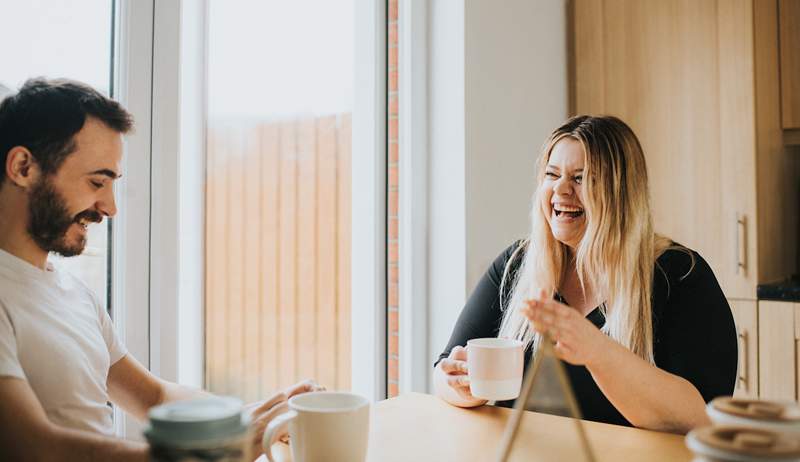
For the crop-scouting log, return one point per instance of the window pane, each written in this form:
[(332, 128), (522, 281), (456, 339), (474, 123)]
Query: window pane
[(72, 39), (278, 195)]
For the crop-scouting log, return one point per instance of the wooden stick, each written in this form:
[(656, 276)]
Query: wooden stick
[(566, 387), (512, 426)]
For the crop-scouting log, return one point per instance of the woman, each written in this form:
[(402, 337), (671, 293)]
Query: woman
[(641, 322)]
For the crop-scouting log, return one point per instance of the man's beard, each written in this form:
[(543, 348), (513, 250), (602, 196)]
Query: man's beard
[(49, 220)]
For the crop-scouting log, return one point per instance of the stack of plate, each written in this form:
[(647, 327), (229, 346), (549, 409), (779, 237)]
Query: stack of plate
[(746, 430)]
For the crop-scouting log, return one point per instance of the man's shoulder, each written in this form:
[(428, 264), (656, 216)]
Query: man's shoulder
[(68, 279), (32, 294), (13, 286)]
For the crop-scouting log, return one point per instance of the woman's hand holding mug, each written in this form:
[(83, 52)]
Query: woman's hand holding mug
[(452, 371)]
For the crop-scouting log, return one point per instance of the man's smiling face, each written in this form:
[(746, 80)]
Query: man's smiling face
[(63, 204)]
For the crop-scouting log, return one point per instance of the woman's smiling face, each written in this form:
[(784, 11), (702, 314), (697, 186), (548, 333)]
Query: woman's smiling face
[(562, 192)]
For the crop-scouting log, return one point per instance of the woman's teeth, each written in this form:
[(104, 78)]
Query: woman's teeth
[(568, 210)]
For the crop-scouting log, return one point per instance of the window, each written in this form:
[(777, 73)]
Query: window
[(393, 207), (72, 40), (278, 200)]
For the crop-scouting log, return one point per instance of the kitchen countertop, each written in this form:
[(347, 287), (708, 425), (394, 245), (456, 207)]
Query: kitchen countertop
[(787, 290)]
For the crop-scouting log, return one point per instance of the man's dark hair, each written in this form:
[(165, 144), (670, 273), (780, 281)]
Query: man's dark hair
[(45, 115)]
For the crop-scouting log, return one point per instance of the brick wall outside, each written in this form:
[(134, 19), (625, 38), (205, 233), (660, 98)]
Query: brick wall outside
[(393, 360)]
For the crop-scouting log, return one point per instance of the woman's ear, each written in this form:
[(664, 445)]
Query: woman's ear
[(21, 167)]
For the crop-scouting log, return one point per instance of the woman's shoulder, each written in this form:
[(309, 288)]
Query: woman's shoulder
[(678, 263), (516, 249), (511, 257), (513, 254), (683, 283)]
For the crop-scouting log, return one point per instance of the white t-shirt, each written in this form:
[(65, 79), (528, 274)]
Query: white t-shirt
[(55, 334)]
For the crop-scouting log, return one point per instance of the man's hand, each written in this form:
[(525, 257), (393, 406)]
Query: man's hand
[(262, 412)]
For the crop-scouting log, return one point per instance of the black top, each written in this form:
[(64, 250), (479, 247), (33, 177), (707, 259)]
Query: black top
[(693, 331)]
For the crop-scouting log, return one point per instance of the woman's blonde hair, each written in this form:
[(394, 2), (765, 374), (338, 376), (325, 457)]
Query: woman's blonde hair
[(618, 250)]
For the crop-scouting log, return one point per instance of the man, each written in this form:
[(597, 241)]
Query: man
[(60, 360)]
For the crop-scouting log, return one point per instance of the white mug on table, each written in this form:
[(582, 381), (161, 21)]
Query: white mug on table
[(325, 425)]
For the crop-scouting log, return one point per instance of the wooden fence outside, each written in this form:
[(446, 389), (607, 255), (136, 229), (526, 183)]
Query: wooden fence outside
[(278, 213)]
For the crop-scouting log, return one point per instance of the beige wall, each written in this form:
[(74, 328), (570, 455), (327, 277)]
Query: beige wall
[(497, 86), (516, 93)]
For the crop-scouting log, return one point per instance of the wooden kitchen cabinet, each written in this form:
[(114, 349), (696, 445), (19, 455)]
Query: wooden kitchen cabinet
[(777, 334), (797, 349), (789, 26), (745, 314), (698, 81)]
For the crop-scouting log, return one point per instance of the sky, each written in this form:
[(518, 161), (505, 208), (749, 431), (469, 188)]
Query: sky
[(55, 38), (266, 58), (280, 58)]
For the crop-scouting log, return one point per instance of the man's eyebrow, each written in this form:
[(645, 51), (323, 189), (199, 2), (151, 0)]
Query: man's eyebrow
[(107, 172)]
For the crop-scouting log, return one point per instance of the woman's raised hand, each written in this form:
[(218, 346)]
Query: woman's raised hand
[(576, 340)]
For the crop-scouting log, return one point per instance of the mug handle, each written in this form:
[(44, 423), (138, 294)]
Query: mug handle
[(274, 430)]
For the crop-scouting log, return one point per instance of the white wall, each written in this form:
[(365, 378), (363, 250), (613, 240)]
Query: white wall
[(446, 170), (516, 94), (497, 87)]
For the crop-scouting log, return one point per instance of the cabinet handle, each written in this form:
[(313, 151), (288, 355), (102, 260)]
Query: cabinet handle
[(742, 337), (741, 244)]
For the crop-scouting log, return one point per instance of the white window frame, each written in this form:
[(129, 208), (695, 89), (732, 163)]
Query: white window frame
[(157, 241), (368, 262), (157, 244), (415, 363), (130, 243), (178, 192)]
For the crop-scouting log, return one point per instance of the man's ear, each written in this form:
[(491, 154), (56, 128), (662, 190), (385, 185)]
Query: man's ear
[(21, 167)]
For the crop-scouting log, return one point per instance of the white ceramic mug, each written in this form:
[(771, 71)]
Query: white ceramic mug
[(324, 425), (495, 368), (213, 428)]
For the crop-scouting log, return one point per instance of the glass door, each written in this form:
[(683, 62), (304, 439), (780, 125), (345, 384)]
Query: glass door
[(69, 39), (278, 202)]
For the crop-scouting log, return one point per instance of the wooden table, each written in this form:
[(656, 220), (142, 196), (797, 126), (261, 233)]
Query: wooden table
[(419, 427)]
